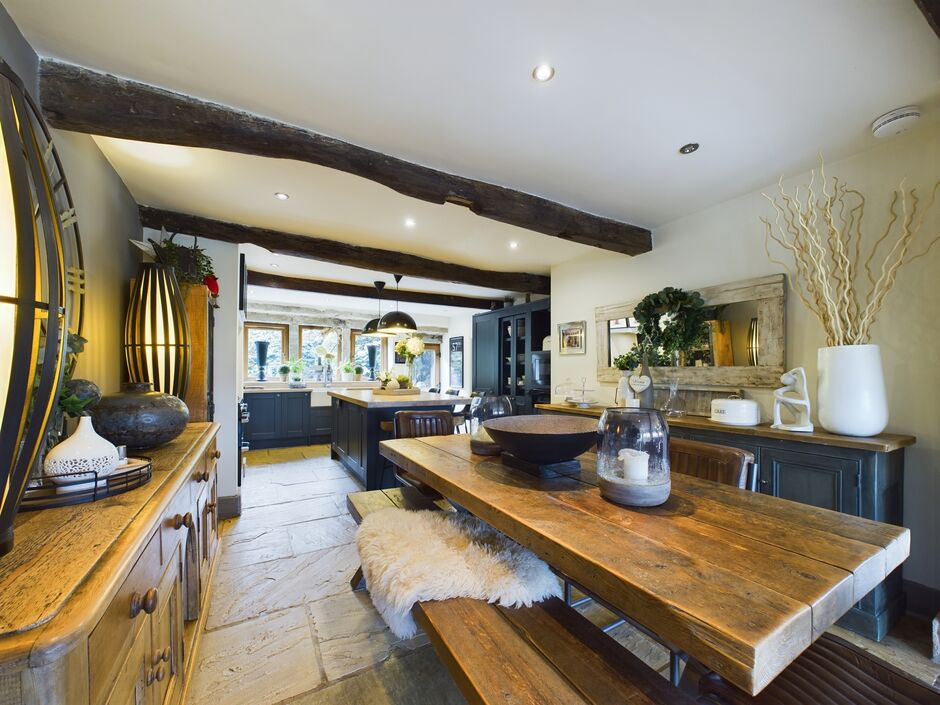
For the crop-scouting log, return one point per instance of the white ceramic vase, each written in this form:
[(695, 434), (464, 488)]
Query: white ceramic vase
[(82, 452), (850, 394)]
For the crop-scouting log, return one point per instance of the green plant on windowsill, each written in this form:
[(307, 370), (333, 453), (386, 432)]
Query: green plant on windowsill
[(348, 368), (358, 369), (404, 381)]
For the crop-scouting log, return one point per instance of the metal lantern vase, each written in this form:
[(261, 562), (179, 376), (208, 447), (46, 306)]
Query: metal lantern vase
[(156, 331), (633, 457), (34, 297), (489, 407)]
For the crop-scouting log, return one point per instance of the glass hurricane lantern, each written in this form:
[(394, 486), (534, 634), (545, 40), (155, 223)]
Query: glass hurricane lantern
[(490, 407), (633, 457)]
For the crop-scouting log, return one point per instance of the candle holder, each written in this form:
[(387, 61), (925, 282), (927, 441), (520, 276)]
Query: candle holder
[(633, 457)]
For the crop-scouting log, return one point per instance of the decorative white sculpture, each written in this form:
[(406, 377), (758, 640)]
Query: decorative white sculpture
[(795, 397)]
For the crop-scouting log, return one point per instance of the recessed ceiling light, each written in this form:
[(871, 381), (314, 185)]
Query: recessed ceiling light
[(275, 265), (688, 148), (513, 245), (543, 73), (410, 222), (281, 196)]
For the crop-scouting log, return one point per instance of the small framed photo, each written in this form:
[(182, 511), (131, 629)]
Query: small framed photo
[(571, 338)]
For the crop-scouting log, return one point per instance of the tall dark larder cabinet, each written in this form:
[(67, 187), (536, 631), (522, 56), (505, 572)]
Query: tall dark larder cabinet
[(503, 342)]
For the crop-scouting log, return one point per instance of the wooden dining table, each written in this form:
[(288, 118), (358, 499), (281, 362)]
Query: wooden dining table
[(740, 581)]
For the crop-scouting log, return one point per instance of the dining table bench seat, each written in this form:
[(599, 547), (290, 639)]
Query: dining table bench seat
[(546, 654)]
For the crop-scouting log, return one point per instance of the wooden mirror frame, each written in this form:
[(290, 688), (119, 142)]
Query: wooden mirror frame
[(769, 292)]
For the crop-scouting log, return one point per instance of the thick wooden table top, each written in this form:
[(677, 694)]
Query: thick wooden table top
[(882, 443), (741, 581), (365, 397)]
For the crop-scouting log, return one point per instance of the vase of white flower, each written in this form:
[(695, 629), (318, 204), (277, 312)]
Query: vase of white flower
[(410, 348)]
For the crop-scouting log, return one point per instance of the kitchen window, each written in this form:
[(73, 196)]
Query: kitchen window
[(312, 337), (427, 367), (360, 346), (276, 336)]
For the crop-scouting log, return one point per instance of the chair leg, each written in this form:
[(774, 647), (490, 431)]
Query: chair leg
[(675, 667), (358, 580)]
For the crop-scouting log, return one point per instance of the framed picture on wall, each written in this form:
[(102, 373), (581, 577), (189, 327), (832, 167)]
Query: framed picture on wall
[(400, 359), (571, 338), (455, 346)]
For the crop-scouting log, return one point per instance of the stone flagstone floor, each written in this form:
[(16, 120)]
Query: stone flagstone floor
[(284, 626)]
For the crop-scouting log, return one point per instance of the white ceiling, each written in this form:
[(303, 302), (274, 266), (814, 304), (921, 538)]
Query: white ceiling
[(325, 203), (762, 85)]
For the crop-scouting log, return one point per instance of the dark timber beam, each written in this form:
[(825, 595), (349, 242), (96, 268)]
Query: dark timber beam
[(319, 248), (931, 10), (318, 286), (76, 98)]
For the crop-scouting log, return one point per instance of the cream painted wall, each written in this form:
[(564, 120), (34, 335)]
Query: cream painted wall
[(107, 218), (726, 243), (459, 325)]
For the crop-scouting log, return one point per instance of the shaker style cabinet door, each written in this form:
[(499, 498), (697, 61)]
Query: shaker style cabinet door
[(265, 410), (130, 686), (820, 480), (486, 353)]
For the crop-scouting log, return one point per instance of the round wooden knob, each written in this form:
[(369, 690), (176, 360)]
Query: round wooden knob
[(217, 454), (137, 604), (166, 654), (210, 507), (160, 674), (151, 676), (202, 476), (181, 520), (151, 598), (159, 656)]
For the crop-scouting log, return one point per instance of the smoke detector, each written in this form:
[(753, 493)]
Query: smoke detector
[(895, 122)]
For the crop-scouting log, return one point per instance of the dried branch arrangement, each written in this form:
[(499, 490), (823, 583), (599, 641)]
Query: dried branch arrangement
[(820, 226)]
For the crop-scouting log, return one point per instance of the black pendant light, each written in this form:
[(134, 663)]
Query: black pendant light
[(396, 322), (372, 327), (34, 294)]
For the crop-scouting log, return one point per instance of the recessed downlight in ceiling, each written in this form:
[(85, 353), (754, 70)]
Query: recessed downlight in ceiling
[(513, 245), (688, 148), (543, 73), (281, 196), (410, 223), (276, 266)]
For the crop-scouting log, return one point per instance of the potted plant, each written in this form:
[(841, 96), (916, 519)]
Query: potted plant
[(358, 372), (385, 378), (404, 381), (283, 371), (347, 372), (844, 282), (296, 370)]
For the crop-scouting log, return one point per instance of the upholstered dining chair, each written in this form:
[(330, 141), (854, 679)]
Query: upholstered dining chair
[(710, 461), (420, 424)]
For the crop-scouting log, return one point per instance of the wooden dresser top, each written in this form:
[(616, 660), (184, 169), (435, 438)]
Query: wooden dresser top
[(56, 551), (882, 443)]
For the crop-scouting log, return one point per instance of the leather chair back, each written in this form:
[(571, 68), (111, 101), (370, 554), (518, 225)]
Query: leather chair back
[(709, 461), (418, 424)]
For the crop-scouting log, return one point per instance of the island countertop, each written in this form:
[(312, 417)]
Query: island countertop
[(366, 398)]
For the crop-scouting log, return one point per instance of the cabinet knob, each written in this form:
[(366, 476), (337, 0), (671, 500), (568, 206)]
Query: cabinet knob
[(202, 476), (210, 507), (146, 603), (160, 674), (181, 520), (159, 656), (151, 676), (217, 454)]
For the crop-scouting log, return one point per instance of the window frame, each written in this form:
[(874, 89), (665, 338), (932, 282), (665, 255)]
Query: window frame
[(285, 337), (383, 349), (300, 342)]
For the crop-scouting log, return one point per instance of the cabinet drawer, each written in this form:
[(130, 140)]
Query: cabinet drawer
[(109, 643), (179, 518), (203, 474)]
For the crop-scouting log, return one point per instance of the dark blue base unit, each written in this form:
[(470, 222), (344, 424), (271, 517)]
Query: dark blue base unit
[(278, 419)]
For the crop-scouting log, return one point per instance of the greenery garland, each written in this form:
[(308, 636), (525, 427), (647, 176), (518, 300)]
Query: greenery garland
[(672, 320), (192, 264)]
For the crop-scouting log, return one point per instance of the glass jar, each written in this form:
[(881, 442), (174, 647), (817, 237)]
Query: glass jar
[(490, 407), (633, 457)]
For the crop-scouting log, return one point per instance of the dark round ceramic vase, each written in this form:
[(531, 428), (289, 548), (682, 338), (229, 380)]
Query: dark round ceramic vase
[(140, 418)]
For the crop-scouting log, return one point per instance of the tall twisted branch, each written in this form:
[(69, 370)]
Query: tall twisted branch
[(821, 231)]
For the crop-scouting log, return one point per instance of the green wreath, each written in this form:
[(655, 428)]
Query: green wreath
[(684, 326)]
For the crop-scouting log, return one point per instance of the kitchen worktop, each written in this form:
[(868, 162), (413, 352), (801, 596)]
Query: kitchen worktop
[(366, 398)]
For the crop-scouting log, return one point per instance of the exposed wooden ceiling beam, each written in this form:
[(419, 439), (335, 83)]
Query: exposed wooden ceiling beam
[(76, 98), (318, 286), (342, 253), (931, 10)]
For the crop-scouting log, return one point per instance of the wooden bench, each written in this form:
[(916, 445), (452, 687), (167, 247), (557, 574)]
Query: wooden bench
[(547, 654)]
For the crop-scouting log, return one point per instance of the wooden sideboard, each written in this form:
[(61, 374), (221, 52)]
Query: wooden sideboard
[(102, 603), (859, 476)]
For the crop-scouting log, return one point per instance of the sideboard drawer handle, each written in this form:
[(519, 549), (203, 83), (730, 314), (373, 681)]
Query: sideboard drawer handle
[(181, 520), (202, 476), (151, 598), (217, 454), (210, 507), (160, 674)]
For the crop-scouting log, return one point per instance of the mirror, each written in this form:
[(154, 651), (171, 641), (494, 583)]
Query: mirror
[(744, 345)]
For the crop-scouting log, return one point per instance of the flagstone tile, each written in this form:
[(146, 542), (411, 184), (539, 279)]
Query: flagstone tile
[(274, 515), (322, 533), (256, 546)]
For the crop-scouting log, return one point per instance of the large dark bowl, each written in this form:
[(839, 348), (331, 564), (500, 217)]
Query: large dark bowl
[(543, 439)]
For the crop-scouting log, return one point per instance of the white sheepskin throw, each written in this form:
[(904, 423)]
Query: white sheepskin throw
[(415, 556)]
